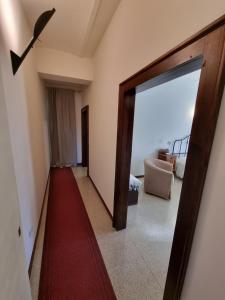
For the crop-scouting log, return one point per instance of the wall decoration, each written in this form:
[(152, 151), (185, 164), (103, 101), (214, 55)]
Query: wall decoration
[(38, 28)]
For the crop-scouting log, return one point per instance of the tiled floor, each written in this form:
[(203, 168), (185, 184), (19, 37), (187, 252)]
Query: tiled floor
[(136, 258)]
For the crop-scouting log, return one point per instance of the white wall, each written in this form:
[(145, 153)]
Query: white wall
[(58, 63), (162, 114), (24, 94), (131, 42), (138, 34), (205, 278), (14, 282)]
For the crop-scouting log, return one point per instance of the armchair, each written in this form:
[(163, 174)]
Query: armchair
[(158, 177)]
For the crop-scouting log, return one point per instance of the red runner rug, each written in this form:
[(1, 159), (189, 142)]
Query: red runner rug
[(72, 265)]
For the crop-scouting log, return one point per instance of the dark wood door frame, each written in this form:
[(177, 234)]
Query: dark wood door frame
[(85, 110), (209, 45)]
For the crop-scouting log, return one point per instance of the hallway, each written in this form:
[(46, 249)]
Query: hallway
[(59, 58), (136, 258), (72, 265)]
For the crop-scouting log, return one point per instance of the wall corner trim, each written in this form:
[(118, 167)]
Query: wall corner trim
[(100, 196), (39, 224)]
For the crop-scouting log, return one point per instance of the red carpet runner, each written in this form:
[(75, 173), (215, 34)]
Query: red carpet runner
[(72, 265)]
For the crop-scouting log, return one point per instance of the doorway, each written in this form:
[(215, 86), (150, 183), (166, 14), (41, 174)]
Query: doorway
[(85, 136), (206, 51)]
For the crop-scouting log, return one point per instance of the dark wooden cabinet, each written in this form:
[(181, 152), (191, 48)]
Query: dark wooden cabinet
[(132, 197)]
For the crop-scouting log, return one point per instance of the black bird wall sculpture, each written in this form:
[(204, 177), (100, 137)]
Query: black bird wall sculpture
[(38, 28)]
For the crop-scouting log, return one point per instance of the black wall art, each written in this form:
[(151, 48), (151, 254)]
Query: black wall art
[(38, 28)]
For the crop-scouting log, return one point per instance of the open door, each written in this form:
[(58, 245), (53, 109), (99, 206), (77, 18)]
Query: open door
[(85, 136)]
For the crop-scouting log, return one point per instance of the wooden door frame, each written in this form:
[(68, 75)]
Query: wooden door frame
[(86, 109), (209, 44)]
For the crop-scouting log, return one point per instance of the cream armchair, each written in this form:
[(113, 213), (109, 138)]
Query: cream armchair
[(158, 177)]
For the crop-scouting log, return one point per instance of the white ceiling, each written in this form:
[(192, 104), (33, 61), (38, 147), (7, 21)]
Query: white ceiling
[(77, 25)]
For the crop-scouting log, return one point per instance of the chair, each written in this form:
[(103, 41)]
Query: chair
[(158, 177)]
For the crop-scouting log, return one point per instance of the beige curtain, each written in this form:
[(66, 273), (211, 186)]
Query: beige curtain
[(62, 127)]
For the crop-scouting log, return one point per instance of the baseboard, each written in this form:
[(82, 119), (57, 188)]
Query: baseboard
[(100, 196), (79, 164), (38, 228)]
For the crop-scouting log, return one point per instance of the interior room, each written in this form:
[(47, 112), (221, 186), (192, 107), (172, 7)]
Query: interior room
[(163, 114), (107, 189), (163, 118)]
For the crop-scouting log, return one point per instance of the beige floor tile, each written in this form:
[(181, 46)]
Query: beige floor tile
[(135, 281), (136, 258)]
